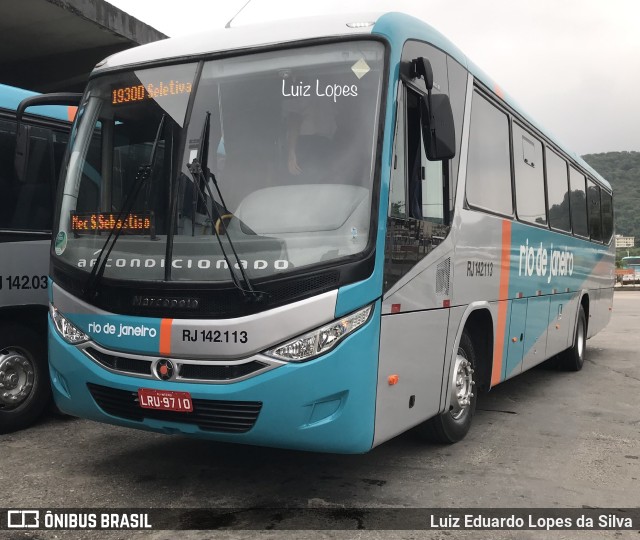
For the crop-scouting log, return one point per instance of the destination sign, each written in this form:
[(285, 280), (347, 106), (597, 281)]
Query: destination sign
[(139, 92), (96, 222)]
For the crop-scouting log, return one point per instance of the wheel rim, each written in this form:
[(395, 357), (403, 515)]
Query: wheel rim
[(17, 377), (462, 386), (580, 339)]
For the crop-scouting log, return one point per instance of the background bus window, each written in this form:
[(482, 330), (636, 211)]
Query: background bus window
[(578, 204), (529, 177), (558, 192), (607, 217), (26, 202), (595, 218), (7, 175), (489, 163)]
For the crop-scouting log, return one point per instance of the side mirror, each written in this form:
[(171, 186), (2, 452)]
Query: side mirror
[(421, 67), (438, 130)]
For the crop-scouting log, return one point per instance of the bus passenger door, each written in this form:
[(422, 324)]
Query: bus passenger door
[(513, 363), (559, 323), (535, 335)]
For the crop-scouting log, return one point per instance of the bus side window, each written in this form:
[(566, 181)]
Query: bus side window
[(578, 203), (427, 184), (397, 191), (7, 175), (607, 217), (529, 177), (34, 192), (595, 217), (558, 192), (489, 161)]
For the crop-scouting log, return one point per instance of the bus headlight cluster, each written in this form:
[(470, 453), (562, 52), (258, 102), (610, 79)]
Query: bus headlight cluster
[(321, 340), (68, 331)]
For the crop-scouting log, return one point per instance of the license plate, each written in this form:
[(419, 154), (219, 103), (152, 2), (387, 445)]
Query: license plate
[(165, 400)]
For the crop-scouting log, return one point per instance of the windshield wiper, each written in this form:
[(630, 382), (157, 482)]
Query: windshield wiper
[(201, 174), (143, 174)]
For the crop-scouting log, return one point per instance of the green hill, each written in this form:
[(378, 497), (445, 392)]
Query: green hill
[(622, 170)]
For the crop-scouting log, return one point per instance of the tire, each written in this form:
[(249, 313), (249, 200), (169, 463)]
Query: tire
[(24, 377), (452, 425), (573, 358)]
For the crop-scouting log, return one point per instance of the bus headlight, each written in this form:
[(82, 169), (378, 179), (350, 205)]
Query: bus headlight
[(321, 340), (67, 331)]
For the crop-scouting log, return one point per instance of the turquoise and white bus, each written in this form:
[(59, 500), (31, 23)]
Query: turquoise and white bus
[(32, 145), (315, 234)]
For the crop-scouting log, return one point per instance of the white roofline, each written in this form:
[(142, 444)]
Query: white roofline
[(241, 37)]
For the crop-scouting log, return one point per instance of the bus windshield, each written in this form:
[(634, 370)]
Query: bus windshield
[(273, 152)]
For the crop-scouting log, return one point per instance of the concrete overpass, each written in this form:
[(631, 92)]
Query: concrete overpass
[(52, 45)]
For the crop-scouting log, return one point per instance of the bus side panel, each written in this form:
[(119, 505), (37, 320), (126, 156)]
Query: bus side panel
[(561, 322), (23, 273), (536, 332), (602, 314), (412, 347)]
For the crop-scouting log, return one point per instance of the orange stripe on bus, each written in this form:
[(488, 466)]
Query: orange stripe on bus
[(165, 337), (503, 296), (71, 113)]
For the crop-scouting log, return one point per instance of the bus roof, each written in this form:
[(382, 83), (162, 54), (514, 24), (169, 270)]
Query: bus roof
[(396, 27), (11, 96)]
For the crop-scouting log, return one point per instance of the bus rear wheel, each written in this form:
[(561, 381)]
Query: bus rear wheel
[(452, 425), (24, 377), (573, 358)]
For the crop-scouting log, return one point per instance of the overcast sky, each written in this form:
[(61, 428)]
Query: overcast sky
[(574, 65)]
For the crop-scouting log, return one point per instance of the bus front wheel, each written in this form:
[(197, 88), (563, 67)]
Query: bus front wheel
[(24, 378), (573, 358), (452, 425)]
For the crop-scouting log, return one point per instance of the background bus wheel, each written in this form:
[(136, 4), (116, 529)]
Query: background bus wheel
[(573, 358), (452, 425), (24, 377)]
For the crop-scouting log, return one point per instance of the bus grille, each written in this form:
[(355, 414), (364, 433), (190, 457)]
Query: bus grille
[(208, 415), (193, 372), (120, 363), (219, 373)]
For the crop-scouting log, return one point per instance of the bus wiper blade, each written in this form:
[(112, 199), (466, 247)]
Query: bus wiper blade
[(197, 173), (143, 174), (201, 174)]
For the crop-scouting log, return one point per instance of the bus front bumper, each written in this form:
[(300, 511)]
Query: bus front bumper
[(325, 405)]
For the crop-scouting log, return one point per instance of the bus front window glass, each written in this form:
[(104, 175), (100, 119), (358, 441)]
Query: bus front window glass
[(286, 144), (276, 164), (115, 179)]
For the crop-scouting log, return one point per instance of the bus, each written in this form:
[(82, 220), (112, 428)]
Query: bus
[(632, 263), (315, 234), (32, 147)]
